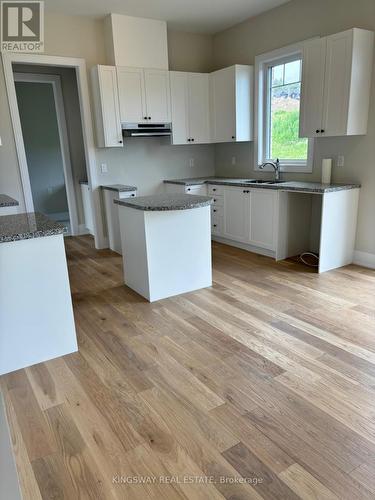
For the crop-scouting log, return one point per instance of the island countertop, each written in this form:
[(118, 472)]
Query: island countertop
[(7, 201), (307, 187), (120, 188), (164, 202), (27, 226)]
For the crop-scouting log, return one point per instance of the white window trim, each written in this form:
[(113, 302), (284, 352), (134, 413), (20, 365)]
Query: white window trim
[(262, 62)]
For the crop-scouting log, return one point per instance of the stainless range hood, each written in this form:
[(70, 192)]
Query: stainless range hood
[(146, 129)]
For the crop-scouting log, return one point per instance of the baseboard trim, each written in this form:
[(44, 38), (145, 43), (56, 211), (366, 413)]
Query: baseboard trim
[(364, 259), (244, 246), (83, 230)]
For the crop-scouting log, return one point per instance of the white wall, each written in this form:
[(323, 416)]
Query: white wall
[(294, 21)]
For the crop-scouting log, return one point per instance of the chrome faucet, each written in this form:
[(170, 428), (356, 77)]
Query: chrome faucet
[(275, 165)]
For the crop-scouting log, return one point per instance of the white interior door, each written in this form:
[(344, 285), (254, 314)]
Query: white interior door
[(179, 107), (312, 89), (199, 112), (157, 95), (131, 95)]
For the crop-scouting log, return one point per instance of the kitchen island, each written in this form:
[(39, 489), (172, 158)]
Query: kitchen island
[(166, 244), (36, 315)]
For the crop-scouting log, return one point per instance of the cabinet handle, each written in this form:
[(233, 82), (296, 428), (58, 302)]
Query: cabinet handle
[(322, 130), (149, 117), (193, 140), (214, 199), (145, 117), (213, 189), (133, 194), (317, 131), (188, 189), (215, 210), (189, 140), (215, 225), (233, 136), (120, 142)]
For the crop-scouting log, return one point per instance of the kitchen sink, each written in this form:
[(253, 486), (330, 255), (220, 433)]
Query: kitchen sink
[(261, 181)]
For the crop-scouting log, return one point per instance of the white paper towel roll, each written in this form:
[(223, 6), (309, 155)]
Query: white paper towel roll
[(326, 170)]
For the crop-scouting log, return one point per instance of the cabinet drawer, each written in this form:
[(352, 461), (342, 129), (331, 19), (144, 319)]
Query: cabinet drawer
[(217, 225), (127, 194), (217, 211), (215, 189), (218, 200), (199, 189)]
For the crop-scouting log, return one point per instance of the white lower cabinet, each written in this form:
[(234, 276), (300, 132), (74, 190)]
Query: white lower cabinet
[(249, 216), (236, 213), (263, 215)]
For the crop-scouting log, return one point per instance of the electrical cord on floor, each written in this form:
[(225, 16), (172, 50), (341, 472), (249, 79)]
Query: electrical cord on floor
[(309, 254)]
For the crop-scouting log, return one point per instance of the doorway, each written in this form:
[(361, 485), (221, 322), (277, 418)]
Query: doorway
[(42, 116)]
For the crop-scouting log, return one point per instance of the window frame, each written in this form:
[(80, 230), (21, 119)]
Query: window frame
[(261, 129)]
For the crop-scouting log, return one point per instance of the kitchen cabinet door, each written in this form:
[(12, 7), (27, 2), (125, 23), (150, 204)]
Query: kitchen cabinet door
[(107, 110), (131, 95), (180, 107), (157, 95), (312, 91), (223, 105), (236, 213), (337, 83), (199, 110), (263, 218)]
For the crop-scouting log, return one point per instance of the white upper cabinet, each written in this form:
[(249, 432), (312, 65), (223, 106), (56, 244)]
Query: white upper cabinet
[(131, 95), (336, 79), (107, 110), (157, 95), (190, 107), (144, 95), (231, 104)]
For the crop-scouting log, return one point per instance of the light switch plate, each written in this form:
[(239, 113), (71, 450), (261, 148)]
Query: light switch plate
[(103, 168)]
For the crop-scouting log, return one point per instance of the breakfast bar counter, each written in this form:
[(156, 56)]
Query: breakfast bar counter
[(166, 244)]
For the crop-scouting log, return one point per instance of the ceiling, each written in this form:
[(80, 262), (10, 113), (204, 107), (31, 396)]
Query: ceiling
[(201, 16)]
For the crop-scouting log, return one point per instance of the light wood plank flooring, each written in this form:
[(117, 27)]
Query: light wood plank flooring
[(261, 387)]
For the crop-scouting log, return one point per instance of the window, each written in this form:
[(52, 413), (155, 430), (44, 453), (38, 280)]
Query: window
[(277, 119)]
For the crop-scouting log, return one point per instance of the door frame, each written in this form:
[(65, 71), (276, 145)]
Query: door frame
[(87, 129), (55, 81)]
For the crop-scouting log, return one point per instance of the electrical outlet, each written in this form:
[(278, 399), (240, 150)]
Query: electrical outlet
[(234, 160), (103, 168), (191, 162), (340, 162)]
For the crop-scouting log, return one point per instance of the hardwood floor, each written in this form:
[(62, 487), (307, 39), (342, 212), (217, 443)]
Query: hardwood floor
[(261, 387)]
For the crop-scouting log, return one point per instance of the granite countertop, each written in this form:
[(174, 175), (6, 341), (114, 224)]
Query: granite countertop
[(120, 188), (7, 201), (163, 202), (308, 187), (27, 226)]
